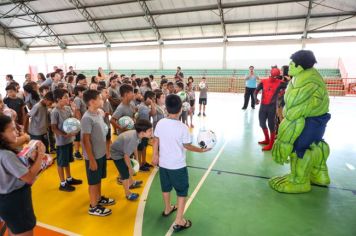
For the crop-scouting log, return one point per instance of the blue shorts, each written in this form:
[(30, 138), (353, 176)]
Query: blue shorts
[(177, 179), (313, 132)]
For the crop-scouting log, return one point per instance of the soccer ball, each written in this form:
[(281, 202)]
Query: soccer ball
[(71, 126), (182, 95), (206, 139), (135, 165), (186, 106), (126, 122), (202, 85)]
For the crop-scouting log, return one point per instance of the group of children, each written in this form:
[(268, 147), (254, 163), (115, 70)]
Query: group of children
[(39, 114)]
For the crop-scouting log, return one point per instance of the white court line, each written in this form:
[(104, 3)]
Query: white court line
[(196, 190), (56, 229), (142, 204), (351, 167)]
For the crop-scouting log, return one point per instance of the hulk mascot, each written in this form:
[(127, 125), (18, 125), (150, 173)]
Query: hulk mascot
[(300, 135)]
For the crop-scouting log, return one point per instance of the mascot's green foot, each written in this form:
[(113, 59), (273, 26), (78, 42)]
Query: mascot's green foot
[(283, 184), (298, 181), (319, 174)]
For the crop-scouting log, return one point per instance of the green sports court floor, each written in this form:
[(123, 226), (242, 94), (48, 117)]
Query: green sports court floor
[(231, 193)]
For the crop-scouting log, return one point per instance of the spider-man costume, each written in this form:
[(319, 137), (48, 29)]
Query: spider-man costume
[(270, 88)]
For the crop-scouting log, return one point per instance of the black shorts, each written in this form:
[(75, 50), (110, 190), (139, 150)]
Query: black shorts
[(142, 144), (65, 155), (17, 211), (122, 168), (192, 102), (108, 135), (77, 137), (177, 179), (94, 177), (203, 101)]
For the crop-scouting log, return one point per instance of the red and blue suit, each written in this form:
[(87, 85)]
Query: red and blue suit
[(270, 89)]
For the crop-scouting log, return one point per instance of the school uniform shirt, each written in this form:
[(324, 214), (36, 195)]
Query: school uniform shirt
[(93, 124), (144, 89), (126, 143), (172, 134), (39, 119), (80, 104), (107, 108), (58, 116), (160, 114), (204, 92), (123, 110), (11, 170)]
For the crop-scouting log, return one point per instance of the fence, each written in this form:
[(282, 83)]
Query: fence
[(335, 86)]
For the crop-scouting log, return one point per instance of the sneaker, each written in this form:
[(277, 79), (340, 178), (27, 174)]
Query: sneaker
[(136, 184), (204, 114), (66, 188), (78, 156), (144, 169), (199, 114), (148, 165), (132, 196), (119, 180), (244, 108), (74, 181), (104, 201), (99, 211)]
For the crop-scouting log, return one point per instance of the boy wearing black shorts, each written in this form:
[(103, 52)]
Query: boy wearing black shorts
[(94, 149), (123, 148), (64, 141), (171, 137)]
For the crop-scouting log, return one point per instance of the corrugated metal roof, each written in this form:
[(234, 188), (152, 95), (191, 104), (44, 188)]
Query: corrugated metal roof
[(124, 20)]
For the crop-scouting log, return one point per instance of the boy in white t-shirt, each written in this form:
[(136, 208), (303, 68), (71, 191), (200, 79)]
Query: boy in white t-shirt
[(171, 138)]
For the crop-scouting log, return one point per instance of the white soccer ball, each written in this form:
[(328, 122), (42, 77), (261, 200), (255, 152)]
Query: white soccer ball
[(71, 126), (186, 106), (126, 122), (206, 139), (135, 165), (202, 85)]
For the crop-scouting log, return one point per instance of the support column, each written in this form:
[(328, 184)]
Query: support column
[(224, 54), (160, 48), (108, 64)]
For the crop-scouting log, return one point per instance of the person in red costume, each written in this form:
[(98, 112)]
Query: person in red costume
[(270, 88)]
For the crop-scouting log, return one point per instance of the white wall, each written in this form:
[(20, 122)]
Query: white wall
[(12, 62), (239, 55)]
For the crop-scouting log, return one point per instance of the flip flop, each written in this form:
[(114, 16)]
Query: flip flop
[(174, 208), (178, 228)]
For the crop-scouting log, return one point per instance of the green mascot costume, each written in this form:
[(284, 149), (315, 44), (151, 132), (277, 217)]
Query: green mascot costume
[(300, 135)]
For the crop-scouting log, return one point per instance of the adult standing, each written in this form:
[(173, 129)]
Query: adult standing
[(179, 74), (71, 71), (251, 84)]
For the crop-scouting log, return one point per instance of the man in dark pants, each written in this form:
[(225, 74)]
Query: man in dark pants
[(251, 84)]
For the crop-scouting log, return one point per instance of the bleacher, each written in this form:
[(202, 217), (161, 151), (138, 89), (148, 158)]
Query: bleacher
[(228, 80)]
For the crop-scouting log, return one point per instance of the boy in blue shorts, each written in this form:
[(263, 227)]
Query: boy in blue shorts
[(171, 138), (121, 150), (94, 149), (64, 141)]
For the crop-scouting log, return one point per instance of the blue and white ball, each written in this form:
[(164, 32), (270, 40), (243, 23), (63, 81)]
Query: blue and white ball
[(126, 122), (186, 106), (71, 126)]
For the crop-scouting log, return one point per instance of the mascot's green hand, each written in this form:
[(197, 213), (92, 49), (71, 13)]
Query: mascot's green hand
[(281, 152)]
